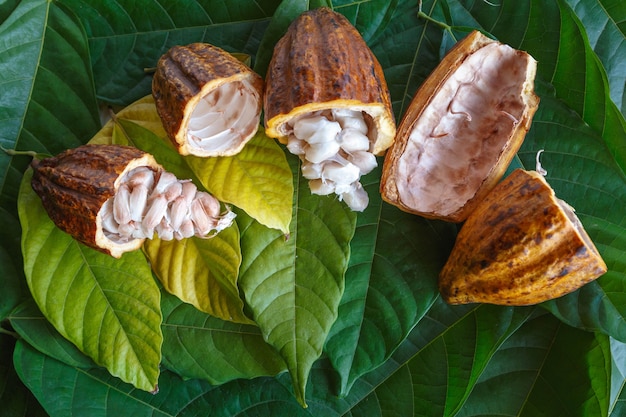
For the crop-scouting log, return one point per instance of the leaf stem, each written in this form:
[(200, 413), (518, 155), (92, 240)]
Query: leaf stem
[(442, 25), (13, 152), (9, 332)]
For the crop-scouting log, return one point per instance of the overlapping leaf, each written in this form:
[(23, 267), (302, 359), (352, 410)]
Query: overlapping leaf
[(202, 272), (293, 285), (504, 368), (109, 308), (140, 33), (390, 284), (197, 345), (257, 179), (47, 104), (604, 22)]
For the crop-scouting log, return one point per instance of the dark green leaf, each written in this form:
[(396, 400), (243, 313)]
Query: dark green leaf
[(16, 399), (47, 102), (391, 283), (33, 327), (293, 286), (197, 345), (126, 37), (547, 368)]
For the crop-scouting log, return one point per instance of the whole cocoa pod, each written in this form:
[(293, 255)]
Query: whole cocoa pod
[(520, 246), (326, 98), (113, 197), (209, 102), (461, 130)]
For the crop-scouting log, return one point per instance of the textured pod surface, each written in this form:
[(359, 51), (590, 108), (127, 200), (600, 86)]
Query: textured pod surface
[(520, 246), (74, 185), (209, 102), (323, 63), (461, 130)]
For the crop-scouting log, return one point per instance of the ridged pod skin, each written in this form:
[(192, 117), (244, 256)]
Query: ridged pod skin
[(520, 246), (74, 185), (321, 63), (186, 76), (461, 130)]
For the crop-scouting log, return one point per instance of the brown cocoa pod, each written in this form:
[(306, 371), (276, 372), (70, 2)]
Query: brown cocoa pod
[(326, 98), (520, 246), (461, 130), (111, 198), (209, 102)]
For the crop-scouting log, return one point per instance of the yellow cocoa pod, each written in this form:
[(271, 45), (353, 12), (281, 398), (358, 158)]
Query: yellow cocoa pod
[(520, 246)]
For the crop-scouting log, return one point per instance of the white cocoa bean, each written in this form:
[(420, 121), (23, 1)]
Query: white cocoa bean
[(296, 146), (312, 171), (366, 161), (351, 140), (321, 152), (179, 212), (121, 205), (154, 215), (356, 199), (320, 187), (138, 202), (341, 174), (350, 119)]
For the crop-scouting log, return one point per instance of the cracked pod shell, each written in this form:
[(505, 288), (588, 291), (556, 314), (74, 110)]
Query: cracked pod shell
[(74, 185), (322, 63), (521, 246), (209, 102), (461, 130)]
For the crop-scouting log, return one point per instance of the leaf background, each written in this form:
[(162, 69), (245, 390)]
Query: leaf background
[(433, 360)]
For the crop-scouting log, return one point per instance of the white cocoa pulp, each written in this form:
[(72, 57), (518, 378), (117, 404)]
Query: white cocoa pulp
[(458, 137), (149, 202), (335, 152), (224, 117)]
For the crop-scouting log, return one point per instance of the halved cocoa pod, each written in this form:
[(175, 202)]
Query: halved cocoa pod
[(461, 130), (326, 98), (520, 246), (112, 198), (209, 102)]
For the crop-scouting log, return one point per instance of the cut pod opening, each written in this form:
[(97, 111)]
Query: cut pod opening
[(224, 118), (335, 147)]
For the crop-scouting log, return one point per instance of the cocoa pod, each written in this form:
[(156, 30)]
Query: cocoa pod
[(209, 102), (111, 198), (326, 97), (520, 246), (461, 130)]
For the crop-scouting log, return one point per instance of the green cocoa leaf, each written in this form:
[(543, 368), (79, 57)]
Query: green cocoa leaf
[(107, 307), (15, 398), (546, 367), (126, 39), (294, 285), (197, 345), (43, 96), (201, 272), (606, 31), (391, 282), (257, 180)]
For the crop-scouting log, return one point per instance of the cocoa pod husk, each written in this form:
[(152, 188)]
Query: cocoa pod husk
[(75, 184), (323, 63), (187, 75), (520, 246), (456, 139)]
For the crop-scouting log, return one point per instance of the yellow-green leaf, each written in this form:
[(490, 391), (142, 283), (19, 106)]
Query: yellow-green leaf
[(202, 272), (109, 308)]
